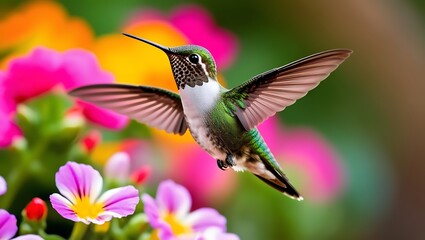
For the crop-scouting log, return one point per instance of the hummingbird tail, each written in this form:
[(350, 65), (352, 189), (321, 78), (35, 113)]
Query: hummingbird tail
[(282, 184)]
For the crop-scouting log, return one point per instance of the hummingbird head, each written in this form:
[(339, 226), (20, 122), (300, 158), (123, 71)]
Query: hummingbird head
[(191, 65)]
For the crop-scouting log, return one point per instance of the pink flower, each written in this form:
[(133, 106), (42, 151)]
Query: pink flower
[(7, 104), (8, 227), (200, 29), (32, 75), (8, 130), (44, 69), (170, 214), (305, 151), (80, 200)]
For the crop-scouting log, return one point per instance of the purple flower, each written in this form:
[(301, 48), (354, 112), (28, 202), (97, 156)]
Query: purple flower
[(169, 214), (80, 201), (8, 227)]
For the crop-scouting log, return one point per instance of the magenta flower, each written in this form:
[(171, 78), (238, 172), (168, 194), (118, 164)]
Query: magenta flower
[(319, 167), (32, 75), (80, 201), (7, 104), (200, 29), (44, 69), (3, 186), (80, 68), (8, 130), (170, 215), (8, 227)]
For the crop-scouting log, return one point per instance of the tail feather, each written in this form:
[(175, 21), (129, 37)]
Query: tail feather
[(281, 184), (266, 168)]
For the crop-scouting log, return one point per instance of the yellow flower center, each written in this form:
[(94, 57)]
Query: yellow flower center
[(177, 226), (85, 209)]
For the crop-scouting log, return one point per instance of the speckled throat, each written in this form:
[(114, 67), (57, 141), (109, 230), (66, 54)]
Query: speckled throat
[(186, 73)]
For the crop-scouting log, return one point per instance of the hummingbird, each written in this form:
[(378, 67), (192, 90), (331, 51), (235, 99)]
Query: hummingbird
[(222, 121)]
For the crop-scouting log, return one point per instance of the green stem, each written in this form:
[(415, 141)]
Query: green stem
[(78, 231), (14, 182), (20, 173)]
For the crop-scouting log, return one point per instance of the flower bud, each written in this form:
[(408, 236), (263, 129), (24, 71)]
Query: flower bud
[(140, 175), (118, 167), (36, 210), (91, 140)]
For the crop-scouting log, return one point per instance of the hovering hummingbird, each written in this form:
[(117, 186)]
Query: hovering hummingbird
[(222, 121)]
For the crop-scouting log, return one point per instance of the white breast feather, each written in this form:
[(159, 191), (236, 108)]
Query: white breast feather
[(197, 101)]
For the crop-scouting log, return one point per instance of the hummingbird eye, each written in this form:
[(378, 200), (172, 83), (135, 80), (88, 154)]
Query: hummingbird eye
[(194, 58)]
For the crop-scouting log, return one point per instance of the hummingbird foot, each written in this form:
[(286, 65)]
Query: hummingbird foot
[(222, 165), (230, 162)]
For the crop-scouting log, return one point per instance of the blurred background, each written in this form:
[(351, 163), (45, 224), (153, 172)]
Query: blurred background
[(354, 145)]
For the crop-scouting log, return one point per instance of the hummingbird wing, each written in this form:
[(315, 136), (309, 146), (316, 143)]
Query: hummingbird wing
[(274, 90), (153, 106)]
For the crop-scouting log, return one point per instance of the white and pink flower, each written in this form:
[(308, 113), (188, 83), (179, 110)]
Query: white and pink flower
[(169, 214), (79, 200)]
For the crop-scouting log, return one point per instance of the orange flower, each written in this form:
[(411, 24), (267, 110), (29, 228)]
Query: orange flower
[(133, 62), (42, 23)]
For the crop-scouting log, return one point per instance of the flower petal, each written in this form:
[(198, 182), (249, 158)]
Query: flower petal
[(74, 179), (7, 104), (173, 198), (118, 167), (204, 218), (80, 67), (214, 233), (40, 67), (62, 206), (119, 202), (151, 210), (154, 217), (28, 237), (8, 130), (8, 227), (104, 117), (3, 186)]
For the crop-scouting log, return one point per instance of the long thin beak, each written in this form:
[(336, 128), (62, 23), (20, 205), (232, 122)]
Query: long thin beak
[(165, 49)]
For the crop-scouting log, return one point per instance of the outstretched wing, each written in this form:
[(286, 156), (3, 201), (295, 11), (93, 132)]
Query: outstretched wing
[(274, 90), (153, 106)]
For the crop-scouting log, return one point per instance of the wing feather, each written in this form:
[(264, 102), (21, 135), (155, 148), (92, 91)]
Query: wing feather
[(274, 90), (153, 106)]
